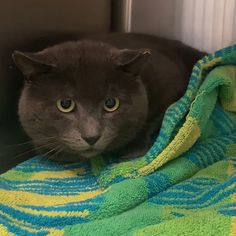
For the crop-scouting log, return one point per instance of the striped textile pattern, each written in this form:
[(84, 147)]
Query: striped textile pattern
[(184, 185)]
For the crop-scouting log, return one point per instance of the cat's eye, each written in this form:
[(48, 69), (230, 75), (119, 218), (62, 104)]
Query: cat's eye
[(65, 105), (111, 104)]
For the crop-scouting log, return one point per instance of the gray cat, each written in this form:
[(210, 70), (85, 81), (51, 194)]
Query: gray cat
[(104, 95)]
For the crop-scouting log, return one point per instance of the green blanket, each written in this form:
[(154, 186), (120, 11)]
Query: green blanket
[(184, 185)]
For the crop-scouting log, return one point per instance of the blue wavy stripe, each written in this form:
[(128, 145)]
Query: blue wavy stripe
[(39, 160), (193, 85), (201, 202), (228, 206), (187, 99), (222, 121), (211, 153), (55, 192), (35, 169), (195, 205), (202, 181), (210, 191), (157, 182), (203, 150), (38, 164), (113, 181), (5, 184), (164, 136), (231, 212), (50, 187), (193, 186), (175, 113), (221, 113), (91, 205), (201, 158), (194, 158), (190, 190), (66, 208), (74, 181), (44, 221), (13, 228), (58, 186), (153, 152), (170, 122), (21, 223), (219, 149), (177, 214)]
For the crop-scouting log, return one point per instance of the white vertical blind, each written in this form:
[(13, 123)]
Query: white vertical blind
[(204, 24), (208, 24), (208, 28)]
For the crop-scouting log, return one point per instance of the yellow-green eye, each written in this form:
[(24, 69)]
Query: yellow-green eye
[(65, 105), (111, 104)]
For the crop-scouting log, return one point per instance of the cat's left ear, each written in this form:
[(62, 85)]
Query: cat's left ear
[(132, 61), (31, 64)]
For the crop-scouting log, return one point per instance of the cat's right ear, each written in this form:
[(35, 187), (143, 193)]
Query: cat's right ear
[(31, 64), (131, 61)]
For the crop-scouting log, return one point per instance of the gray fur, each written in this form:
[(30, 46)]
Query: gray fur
[(145, 81)]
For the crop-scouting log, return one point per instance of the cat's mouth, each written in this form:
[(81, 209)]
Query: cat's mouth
[(70, 155), (86, 153)]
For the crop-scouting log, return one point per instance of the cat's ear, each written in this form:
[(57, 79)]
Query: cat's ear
[(132, 60), (31, 64)]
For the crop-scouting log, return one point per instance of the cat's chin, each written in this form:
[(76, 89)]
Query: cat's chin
[(89, 153), (71, 156), (75, 156)]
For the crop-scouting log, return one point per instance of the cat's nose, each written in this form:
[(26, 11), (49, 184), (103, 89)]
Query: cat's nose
[(91, 139)]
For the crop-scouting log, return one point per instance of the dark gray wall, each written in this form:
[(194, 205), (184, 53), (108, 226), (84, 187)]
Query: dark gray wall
[(25, 20), (25, 25)]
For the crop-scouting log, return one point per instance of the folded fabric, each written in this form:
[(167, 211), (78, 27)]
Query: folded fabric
[(184, 185)]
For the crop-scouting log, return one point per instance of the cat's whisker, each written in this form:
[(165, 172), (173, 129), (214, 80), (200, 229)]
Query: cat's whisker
[(50, 157), (35, 149), (46, 157), (54, 155), (18, 144), (53, 149), (29, 142)]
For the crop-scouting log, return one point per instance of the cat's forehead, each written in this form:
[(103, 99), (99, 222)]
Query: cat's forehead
[(95, 84), (86, 69), (85, 65), (83, 53), (91, 83)]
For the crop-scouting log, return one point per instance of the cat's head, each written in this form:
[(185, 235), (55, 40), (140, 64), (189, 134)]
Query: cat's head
[(83, 98)]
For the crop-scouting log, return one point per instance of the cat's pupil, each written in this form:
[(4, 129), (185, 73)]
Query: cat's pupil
[(110, 102), (66, 103)]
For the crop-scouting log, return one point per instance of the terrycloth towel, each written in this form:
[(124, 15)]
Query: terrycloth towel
[(184, 185)]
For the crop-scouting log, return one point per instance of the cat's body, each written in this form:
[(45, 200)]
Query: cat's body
[(143, 82)]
